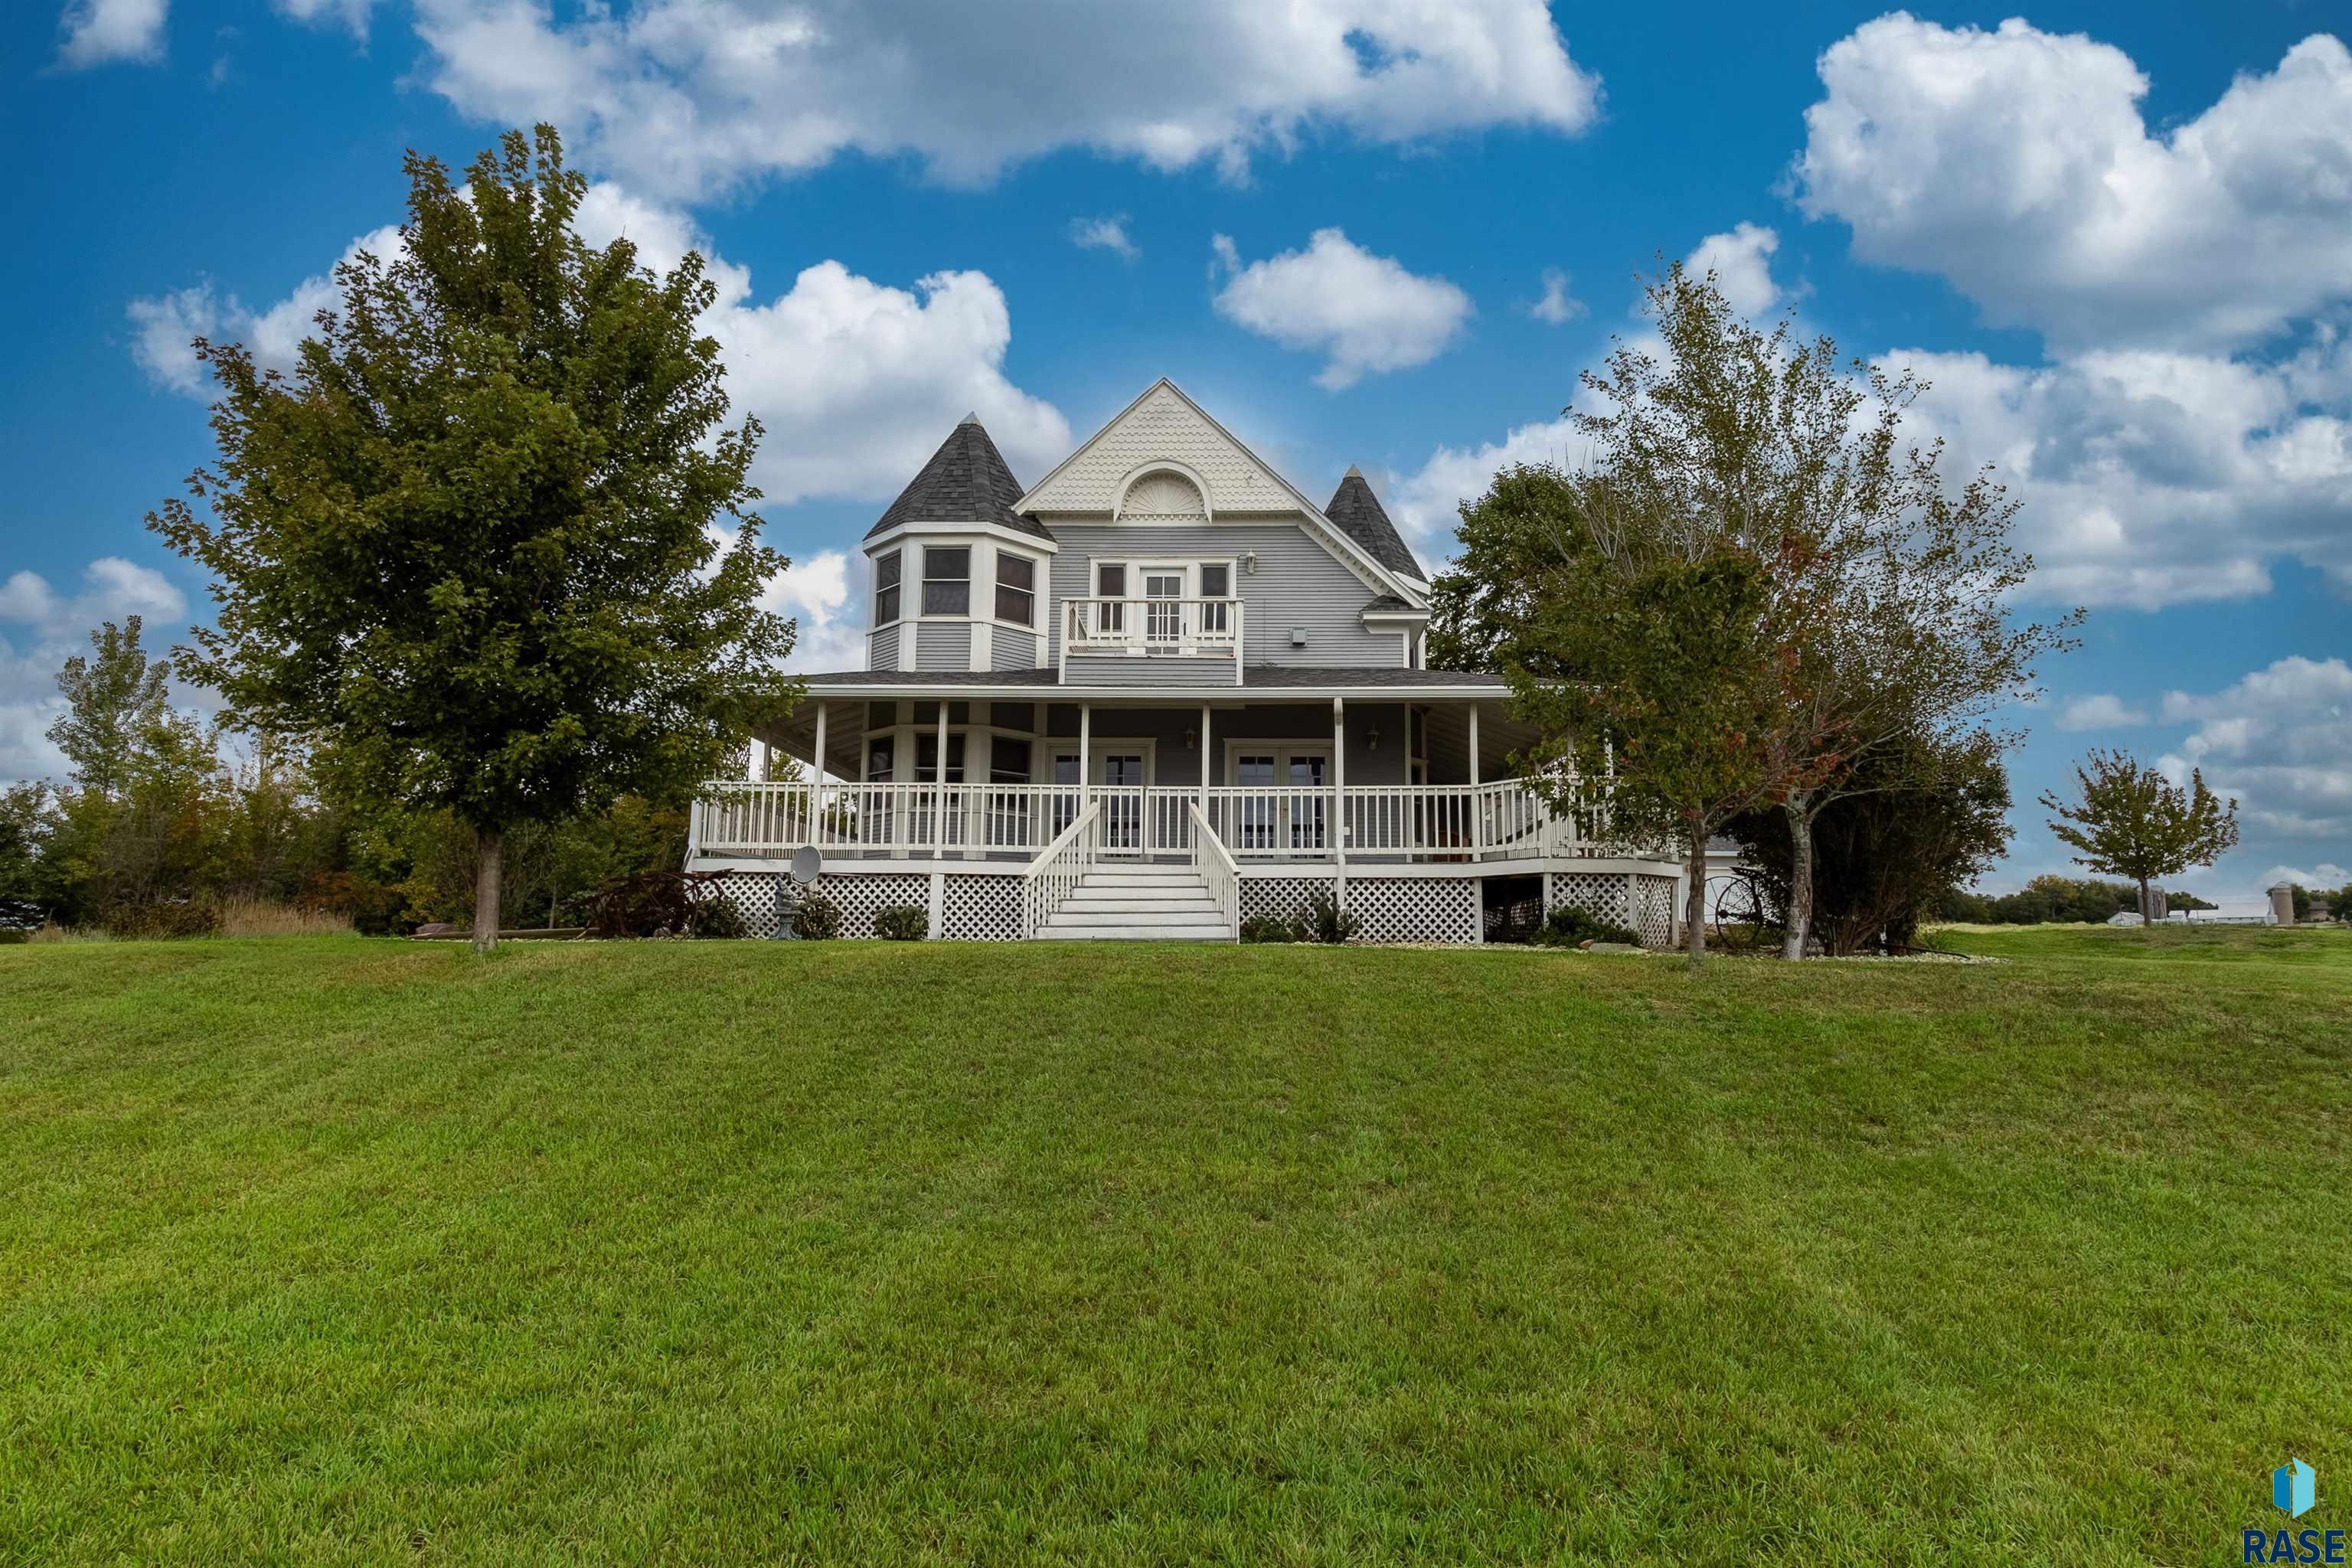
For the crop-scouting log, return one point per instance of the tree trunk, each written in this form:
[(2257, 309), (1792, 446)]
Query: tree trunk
[(2147, 907), (488, 844), (1695, 900), (1800, 920)]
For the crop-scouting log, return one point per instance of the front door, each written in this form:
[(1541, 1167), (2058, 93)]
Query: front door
[(1282, 802)]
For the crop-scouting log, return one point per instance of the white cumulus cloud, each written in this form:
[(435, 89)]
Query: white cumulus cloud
[(1104, 233), (1558, 306), (2018, 164), (2100, 710), (855, 380), (688, 97), (51, 626), (1741, 261), (100, 31), (2279, 741), (1365, 313)]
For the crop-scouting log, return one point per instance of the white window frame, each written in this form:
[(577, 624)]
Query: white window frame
[(1036, 578), (898, 553), (971, 554)]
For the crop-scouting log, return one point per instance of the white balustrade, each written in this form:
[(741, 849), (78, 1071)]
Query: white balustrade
[(1172, 626), (1058, 870), (1494, 821), (1216, 866)]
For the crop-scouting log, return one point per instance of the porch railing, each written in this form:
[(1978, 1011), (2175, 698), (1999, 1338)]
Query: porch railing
[(1496, 821), (1056, 872), (1172, 626), (1215, 864)]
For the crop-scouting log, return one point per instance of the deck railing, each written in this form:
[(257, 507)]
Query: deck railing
[(1215, 864), (1057, 871), (1496, 820), (1173, 628)]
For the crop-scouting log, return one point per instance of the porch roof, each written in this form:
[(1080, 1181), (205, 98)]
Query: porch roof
[(1334, 680)]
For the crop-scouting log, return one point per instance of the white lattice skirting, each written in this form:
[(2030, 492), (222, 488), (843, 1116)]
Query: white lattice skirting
[(1642, 905), (1414, 909), (981, 908), (973, 908)]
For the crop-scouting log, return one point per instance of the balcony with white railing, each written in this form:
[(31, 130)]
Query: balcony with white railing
[(1152, 628), (1255, 825)]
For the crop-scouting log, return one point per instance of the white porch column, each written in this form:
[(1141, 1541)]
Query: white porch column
[(940, 791), (1204, 762), (1477, 806), (1339, 797), (1086, 743), (817, 779)]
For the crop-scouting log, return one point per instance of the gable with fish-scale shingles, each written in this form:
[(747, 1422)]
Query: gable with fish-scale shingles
[(1163, 426)]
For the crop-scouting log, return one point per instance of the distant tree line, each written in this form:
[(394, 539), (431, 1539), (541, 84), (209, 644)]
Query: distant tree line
[(2054, 899), (165, 821)]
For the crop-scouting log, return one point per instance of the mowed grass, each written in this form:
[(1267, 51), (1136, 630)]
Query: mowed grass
[(338, 1250)]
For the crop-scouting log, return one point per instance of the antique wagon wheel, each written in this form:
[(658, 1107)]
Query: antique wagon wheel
[(1741, 917)]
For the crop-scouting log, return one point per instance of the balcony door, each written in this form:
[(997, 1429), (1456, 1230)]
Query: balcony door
[(1121, 770), (1163, 605)]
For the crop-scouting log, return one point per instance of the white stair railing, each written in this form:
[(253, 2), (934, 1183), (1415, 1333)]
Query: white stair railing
[(1218, 869), (1058, 870)]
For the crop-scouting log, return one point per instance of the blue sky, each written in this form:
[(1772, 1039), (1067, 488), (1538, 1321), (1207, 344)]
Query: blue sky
[(2118, 239)]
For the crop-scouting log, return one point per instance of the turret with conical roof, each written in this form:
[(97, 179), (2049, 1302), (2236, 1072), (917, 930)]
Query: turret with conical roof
[(965, 481), (1356, 512)]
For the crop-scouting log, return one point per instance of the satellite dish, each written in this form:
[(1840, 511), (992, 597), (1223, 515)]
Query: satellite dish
[(806, 864)]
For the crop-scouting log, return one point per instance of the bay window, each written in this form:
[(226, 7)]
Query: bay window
[(947, 580), (886, 588)]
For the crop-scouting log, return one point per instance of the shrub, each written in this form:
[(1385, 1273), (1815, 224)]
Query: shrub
[(902, 922), (168, 920), (1568, 926), (259, 917), (815, 917), (12, 936), (1325, 921), (715, 919), (1269, 928)]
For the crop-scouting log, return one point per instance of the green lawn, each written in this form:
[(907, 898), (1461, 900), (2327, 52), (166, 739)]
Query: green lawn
[(341, 1250)]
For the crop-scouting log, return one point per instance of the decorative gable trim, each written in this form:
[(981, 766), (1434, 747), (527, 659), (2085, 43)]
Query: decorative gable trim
[(1093, 481)]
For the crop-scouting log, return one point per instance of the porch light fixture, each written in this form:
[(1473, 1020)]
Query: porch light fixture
[(1249, 562), (1192, 738), (1372, 738)]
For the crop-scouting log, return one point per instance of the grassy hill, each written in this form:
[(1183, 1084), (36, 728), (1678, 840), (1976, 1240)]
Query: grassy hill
[(339, 1250)]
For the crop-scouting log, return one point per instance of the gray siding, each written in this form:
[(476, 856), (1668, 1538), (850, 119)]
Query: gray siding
[(942, 645), (1297, 584), (1010, 648), (884, 654), (1279, 722), (1119, 670)]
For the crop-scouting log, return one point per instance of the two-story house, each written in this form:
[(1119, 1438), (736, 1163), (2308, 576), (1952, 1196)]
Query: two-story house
[(1155, 693)]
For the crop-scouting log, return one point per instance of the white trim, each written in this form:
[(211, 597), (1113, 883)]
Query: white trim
[(1165, 466), (1333, 538), (1358, 870), (1221, 693), (898, 532), (972, 551)]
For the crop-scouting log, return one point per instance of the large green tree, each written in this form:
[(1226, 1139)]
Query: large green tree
[(1633, 663), (114, 699), (2130, 820), (468, 553)]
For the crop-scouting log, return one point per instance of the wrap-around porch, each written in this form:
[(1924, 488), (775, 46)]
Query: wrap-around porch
[(1329, 781)]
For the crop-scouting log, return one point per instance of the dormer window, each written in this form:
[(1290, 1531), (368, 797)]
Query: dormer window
[(886, 588), (947, 580)]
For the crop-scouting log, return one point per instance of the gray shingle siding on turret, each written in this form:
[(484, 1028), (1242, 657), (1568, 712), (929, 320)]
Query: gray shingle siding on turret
[(1297, 584), (1010, 648), (1357, 512), (883, 652), (966, 481), (942, 645)]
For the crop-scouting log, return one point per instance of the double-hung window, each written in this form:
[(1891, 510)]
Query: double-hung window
[(1017, 589), (1110, 583), (1216, 586), (947, 580), (886, 588)]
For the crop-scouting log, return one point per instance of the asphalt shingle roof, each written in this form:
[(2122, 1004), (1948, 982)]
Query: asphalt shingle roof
[(1357, 512), (965, 481)]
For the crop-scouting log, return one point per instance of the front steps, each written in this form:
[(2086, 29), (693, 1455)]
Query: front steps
[(1137, 901)]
